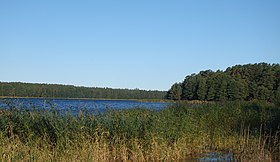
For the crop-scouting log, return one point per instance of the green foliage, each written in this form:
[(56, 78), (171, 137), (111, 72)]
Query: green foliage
[(264, 93), (277, 96), (170, 124), (211, 89), (236, 90), (201, 89), (240, 82), (17, 89), (175, 92), (189, 87), (221, 91), (198, 126)]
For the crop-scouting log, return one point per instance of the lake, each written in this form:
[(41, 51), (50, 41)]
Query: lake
[(74, 105)]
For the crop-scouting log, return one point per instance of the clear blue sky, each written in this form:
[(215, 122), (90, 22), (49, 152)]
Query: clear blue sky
[(146, 44)]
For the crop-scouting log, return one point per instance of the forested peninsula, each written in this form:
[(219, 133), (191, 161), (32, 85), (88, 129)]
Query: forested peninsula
[(18, 89), (258, 81)]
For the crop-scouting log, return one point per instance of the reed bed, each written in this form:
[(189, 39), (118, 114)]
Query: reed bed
[(248, 130)]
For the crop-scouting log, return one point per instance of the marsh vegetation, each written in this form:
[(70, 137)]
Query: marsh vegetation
[(247, 130)]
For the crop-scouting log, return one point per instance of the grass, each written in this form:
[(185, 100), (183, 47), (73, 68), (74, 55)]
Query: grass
[(248, 130)]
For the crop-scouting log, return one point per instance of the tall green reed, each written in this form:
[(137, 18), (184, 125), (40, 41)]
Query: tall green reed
[(238, 127)]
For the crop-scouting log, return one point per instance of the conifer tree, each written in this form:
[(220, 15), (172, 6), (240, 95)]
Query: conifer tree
[(201, 89), (240, 82)]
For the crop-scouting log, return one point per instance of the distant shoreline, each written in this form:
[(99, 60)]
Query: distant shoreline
[(58, 98), (9, 97), (26, 90)]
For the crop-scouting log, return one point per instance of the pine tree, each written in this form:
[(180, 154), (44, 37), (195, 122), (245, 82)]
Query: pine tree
[(240, 82), (175, 92), (188, 88), (236, 90), (201, 89), (277, 96), (264, 93), (211, 89), (222, 91)]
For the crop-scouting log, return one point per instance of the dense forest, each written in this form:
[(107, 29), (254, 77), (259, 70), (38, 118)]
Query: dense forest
[(17, 89), (259, 81)]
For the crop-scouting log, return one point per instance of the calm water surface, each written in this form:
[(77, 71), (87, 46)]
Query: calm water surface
[(74, 105)]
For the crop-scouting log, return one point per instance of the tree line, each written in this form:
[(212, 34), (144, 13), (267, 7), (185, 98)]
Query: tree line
[(259, 81), (18, 89)]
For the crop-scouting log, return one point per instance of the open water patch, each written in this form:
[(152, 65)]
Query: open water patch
[(76, 105), (212, 157)]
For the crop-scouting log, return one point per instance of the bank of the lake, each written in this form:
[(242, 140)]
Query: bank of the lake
[(247, 131), (19, 89)]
